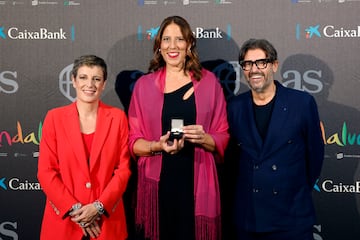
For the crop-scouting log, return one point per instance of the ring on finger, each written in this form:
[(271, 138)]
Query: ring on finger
[(82, 224)]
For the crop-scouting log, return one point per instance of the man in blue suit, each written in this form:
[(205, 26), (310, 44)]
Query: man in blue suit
[(279, 152)]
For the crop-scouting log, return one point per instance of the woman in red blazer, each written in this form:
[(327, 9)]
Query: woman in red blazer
[(84, 161)]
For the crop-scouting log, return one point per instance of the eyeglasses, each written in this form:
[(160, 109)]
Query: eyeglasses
[(260, 64)]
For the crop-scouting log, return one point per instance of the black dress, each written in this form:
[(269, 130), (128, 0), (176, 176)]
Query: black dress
[(176, 186)]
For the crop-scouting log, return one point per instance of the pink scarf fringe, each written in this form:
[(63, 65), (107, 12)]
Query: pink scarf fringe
[(147, 212)]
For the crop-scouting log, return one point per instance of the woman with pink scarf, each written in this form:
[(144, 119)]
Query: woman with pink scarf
[(178, 132)]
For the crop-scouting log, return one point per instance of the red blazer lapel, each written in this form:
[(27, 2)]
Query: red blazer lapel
[(103, 123), (73, 134)]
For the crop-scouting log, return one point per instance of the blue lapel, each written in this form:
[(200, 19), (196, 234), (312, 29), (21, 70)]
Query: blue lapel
[(278, 120)]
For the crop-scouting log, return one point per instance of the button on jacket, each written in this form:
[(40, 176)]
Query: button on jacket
[(275, 176), (67, 178)]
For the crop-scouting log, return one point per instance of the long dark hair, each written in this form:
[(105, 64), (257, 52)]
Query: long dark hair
[(192, 62)]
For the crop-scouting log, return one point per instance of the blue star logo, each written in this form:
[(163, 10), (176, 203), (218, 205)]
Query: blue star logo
[(2, 34), (312, 30), (151, 33), (2, 183), (316, 186)]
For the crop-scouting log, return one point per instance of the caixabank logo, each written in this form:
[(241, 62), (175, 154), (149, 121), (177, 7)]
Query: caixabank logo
[(331, 186), (41, 33), (16, 184), (326, 31), (199, 33), (150, 33)]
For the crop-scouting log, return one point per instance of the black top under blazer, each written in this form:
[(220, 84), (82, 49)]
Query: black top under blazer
[(274, 178)]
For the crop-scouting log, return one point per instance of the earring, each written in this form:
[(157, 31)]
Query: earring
[(159, 50)]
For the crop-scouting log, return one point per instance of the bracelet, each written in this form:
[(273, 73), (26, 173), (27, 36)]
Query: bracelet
[(99, 207), (150, 148)]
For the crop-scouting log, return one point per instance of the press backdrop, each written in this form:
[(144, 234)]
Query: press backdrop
[(317, 41)]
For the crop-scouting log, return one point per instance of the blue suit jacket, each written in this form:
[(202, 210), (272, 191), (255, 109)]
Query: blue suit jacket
[(275, 177)]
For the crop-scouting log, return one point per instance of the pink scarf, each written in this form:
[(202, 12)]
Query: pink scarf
[(145, 113)]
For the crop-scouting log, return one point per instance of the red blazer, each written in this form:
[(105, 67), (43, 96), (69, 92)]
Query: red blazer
[(66, 178)]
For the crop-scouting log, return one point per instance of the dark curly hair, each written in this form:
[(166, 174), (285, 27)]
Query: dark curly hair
[(262, 44)]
